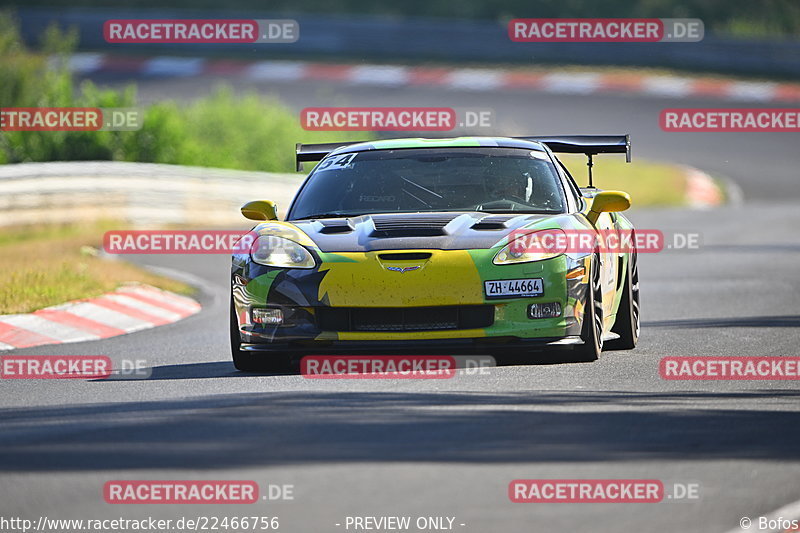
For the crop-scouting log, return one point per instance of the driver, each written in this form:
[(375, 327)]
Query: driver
[(514, 186)]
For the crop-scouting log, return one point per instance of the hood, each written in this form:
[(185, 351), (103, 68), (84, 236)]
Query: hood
[(442, 231)]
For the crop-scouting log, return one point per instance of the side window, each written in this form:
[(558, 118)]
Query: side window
[(573, 187)]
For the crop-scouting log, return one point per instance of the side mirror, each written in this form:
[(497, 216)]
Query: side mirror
[(260, 210), (608, 202)]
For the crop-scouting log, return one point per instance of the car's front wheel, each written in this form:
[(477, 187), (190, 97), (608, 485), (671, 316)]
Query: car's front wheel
[(592, 330), (249, 362)]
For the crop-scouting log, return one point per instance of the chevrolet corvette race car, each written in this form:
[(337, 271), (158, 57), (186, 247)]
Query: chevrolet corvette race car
[(408, 245)]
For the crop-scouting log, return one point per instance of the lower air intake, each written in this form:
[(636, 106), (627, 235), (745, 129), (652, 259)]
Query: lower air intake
[(405, 318)]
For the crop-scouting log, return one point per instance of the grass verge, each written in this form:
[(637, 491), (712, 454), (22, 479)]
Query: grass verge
[(649, 183), (46, 266)]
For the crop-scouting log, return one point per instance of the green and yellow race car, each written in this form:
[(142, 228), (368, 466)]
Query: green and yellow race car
[(413, 246)]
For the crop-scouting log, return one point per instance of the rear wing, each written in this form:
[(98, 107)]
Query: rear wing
[(590, 145), (314, 152), (586, 144)]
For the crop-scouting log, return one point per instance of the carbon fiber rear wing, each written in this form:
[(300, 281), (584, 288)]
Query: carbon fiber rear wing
[(590, 145), (586, 144)]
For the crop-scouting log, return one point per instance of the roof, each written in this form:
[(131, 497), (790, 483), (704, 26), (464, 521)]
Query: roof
[(454, 142)]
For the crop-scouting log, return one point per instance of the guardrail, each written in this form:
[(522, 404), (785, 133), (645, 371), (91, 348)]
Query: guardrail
[(141, 194), (431, 39)]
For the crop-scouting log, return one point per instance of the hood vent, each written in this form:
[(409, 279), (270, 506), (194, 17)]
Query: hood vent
[(410, 225), (405, 256), (492, 222), (337, 225)]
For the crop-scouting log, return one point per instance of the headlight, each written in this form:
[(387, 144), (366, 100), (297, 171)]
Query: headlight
[(279, 252), (532, 246)]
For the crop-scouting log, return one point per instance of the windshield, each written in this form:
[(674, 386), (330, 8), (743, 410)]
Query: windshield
[(496, 180)]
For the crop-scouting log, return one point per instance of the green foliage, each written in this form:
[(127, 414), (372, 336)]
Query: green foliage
[(225, 130)]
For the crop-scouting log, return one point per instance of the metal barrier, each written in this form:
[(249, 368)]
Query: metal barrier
[(142, 194)]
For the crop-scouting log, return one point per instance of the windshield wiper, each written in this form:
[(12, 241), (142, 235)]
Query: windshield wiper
[(520, 212), (423, 188), (327, 215), (417, 198)]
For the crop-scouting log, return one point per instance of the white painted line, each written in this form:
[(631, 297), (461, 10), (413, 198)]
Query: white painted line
[(27, 326), (469, 79), (751, 91), (380, 75), (572, 83), (174, 66), (162, 296), (787, 512), (166, 295), (142, 306), (48, 328), (475, 79), (667, 86), (107, 317), (276, 70)]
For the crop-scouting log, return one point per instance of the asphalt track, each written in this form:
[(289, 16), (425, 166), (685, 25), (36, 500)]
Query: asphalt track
[(450, 447)]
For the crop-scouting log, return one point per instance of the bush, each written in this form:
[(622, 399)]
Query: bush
[(225, 130)]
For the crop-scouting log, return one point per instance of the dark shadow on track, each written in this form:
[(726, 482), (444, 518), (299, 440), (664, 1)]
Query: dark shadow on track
[(753, 248), (789, 321), (221, 369), (306, 427), (225, 369)]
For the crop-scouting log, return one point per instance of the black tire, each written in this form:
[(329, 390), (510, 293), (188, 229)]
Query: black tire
[(592, 330), (249, 362), (628, 322)]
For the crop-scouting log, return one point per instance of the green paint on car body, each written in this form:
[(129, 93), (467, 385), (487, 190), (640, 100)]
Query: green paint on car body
[(330, 257), (426, 143), (258, 288)]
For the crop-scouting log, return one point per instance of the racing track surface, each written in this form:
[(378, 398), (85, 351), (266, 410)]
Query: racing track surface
[(450, 448)]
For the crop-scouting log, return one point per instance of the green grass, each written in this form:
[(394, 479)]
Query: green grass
[(647, 182), (50, 265)]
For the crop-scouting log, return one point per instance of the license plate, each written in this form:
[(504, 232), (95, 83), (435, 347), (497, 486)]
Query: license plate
[(513, 288)]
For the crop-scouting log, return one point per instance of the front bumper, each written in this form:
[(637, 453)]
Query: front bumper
[(452, 278), (478, 346)]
